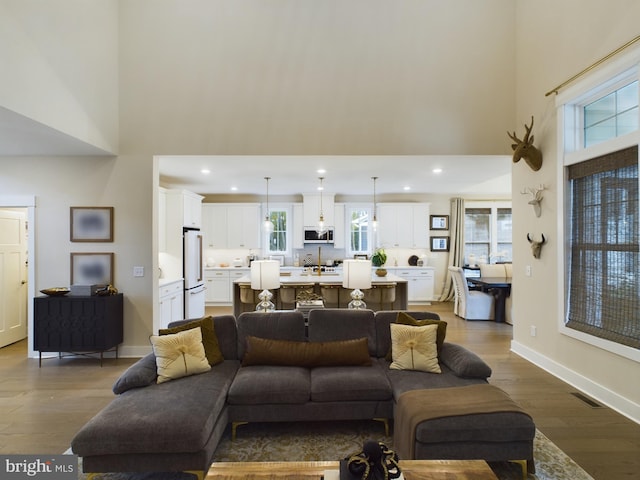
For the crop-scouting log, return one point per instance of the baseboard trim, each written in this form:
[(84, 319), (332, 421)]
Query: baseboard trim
[(620, 404)]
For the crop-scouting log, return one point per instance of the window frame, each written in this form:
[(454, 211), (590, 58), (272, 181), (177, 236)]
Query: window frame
[(279, 207), (494, 206), (571, 150), (349, 209)]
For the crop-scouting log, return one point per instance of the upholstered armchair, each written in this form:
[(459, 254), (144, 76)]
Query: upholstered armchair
[(470, 304)]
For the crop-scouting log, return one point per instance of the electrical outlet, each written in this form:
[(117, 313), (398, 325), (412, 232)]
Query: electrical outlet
[(138, 271), (533, 330), (527, 270)]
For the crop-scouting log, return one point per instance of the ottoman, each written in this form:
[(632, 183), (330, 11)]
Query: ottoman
[(475, 422)]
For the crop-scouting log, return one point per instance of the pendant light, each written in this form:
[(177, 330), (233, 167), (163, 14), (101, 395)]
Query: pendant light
[(374, 224), (321, 227), (267, 225)]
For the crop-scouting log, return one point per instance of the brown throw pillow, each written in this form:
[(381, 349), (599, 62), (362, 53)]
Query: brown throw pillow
[(209, 338), (264, 351), (404, 318)]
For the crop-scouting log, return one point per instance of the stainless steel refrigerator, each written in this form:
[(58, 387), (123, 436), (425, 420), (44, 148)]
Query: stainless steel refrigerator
[(193, 275)]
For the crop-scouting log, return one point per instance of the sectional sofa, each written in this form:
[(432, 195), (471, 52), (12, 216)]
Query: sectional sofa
[(276, 367)]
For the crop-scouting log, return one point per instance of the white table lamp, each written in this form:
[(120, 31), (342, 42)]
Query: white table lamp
[(265, 274), (356, 274)]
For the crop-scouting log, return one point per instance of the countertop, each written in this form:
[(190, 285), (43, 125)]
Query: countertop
[(335, 278)]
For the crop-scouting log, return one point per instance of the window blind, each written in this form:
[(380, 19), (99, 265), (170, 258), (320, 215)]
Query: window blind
[(604, 292)]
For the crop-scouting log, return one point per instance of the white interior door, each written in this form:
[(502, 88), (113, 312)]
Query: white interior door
[(13, 276)]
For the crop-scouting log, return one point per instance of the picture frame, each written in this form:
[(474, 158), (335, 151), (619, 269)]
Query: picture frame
[(91, 224), (92, 268), (439, 244), (439, 222)]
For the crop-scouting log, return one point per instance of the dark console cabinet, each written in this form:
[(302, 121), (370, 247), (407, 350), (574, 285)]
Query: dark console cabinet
[(78, 324)]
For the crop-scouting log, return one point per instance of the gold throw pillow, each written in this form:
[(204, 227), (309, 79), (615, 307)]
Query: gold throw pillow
[(414, 348), (179, 354)]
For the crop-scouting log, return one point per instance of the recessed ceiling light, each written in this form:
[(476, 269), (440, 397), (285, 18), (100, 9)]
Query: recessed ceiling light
[(205, 171), (406, 187), (234, 189), (322, 170), (437, 170)]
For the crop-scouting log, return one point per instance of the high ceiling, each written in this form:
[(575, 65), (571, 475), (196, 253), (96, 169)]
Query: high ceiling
[(344, 175)]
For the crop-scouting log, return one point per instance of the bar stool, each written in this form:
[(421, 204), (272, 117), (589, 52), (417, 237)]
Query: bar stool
[(387, 294), (372, 297), (289, 293), (330, 293), (249, 297)]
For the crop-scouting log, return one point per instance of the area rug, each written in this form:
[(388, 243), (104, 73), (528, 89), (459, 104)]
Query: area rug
[(315, 441)]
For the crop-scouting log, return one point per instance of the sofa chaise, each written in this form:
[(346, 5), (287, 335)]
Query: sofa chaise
[(277, 367)]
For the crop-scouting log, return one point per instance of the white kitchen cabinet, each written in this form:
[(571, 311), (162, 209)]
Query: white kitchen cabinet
[(183, 209), (171, 299), (216, 282), (219, 283), (311, 206), (403, 225), (420, 282), (214, 225), (298, 226), (243, 226), (339, 234)]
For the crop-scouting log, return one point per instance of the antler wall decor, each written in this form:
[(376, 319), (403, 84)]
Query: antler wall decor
[(536, 194), (524, 149)]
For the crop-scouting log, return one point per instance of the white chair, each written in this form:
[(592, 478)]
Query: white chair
[(492, 270), (470, 304)]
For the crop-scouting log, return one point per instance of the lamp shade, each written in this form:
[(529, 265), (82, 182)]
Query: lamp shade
[(265, 274), (356, 274)]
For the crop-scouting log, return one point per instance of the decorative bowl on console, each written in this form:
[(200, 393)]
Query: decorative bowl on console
[(55, 291), (381, 272)]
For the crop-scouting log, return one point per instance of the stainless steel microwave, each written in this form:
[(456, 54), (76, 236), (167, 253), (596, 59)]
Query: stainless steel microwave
[(312, 236)]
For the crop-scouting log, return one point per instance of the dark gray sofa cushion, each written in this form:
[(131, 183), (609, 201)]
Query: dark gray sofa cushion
[(463, 362), (335, 384), (404, 380), (175, 416), (140, 374), (278, 325), (268, 384), (331, 324)]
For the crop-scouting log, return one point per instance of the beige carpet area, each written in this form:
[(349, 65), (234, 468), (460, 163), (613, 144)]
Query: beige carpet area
[(302, 441)]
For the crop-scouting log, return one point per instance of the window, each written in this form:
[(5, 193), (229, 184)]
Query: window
[(487, 232), (604, 292), (611, 115), (278, 239), (358, 226)]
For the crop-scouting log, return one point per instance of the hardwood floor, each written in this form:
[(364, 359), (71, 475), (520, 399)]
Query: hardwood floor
[(42, 408)]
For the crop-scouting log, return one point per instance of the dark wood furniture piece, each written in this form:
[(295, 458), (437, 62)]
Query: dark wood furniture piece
[(500, 287), (78, 325)]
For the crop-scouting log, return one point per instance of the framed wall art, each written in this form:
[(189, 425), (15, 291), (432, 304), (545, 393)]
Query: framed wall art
[(92, 224), (92, 269), (439, 222), (439, 244)]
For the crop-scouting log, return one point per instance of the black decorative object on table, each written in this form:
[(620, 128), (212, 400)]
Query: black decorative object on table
[(376, 461)]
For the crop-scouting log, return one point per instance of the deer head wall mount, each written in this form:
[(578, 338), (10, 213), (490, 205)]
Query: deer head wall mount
[(525, 149), (536, 194), (536, 246)]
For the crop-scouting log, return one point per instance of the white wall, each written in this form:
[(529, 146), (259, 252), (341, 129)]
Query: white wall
[(552, 49), (60, 66)]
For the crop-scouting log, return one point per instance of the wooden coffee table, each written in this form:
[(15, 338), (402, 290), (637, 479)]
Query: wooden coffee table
[(412, 470)]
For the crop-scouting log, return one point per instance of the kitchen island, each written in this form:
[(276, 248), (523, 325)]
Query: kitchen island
[(386, 293)]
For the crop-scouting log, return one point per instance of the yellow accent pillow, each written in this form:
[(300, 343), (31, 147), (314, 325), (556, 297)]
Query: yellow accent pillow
[(209, 338), (179, 355), (414, 348)]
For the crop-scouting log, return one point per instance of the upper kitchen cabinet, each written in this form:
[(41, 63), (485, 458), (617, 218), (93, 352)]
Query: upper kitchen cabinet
[(403, 225), (231, 225), (311, 209), (243, 223), (183, 208), (214, 225)]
